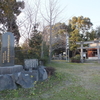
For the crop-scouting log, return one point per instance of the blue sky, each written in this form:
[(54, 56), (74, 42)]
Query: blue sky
[(86, 8)]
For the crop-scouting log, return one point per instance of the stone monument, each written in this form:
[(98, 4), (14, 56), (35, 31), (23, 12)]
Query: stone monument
[(8, 71), (11, 74), (7, 55)]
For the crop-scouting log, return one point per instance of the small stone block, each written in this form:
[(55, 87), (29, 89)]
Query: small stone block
[(30, 63)]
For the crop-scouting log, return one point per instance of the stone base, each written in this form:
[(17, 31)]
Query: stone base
[(11, 69)]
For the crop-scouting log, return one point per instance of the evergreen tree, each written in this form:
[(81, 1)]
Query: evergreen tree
[(9, 10), (35, 44)]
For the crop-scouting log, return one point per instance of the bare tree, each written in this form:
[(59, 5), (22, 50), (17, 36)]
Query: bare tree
[(52, 11), (27, 25), (50, 14)]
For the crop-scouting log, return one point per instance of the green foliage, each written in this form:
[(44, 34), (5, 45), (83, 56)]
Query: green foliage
[(74, 37), (90, 35), (81, 23), (59, 29), (35, 48), (59, 44), (44, 60), (45, 56), (9, 10), (35, 41), (45, 50), (98, 32), (38, 48), (93, 35), (76, 58), (19, 56), (78, 29), (35, 44)]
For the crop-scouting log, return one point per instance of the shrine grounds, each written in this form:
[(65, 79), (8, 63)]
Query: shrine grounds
[(72, 81)]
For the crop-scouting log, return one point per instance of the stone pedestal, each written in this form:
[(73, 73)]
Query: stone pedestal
[(11, 69)]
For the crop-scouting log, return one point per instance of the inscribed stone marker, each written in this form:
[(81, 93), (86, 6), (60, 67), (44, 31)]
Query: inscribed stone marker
[(7, 49)]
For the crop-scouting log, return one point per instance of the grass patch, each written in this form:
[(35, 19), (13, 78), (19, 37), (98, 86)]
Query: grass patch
[(69, 83), (36, 91), (73, 93)]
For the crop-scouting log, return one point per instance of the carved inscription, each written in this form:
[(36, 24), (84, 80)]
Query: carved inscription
[(4, 56), (8, 49)]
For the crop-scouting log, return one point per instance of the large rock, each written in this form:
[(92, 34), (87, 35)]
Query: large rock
[(42, 73), (26, 79), (7, 82)]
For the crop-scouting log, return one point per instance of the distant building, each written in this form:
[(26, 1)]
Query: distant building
[(92, 51)]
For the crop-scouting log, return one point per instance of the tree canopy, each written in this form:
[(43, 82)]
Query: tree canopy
[(98, 32), (81, 23), (9, 10), (59, 36), (78, 29)]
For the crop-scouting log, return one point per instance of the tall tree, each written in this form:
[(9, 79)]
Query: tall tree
[(74, 37), (52, 11), (35, 43), (59, 36), (78, 28), (9, 10)]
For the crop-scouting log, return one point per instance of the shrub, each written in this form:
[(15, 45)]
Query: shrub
[(76, 58), (50, 71), (44, 60), (19, 56)]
